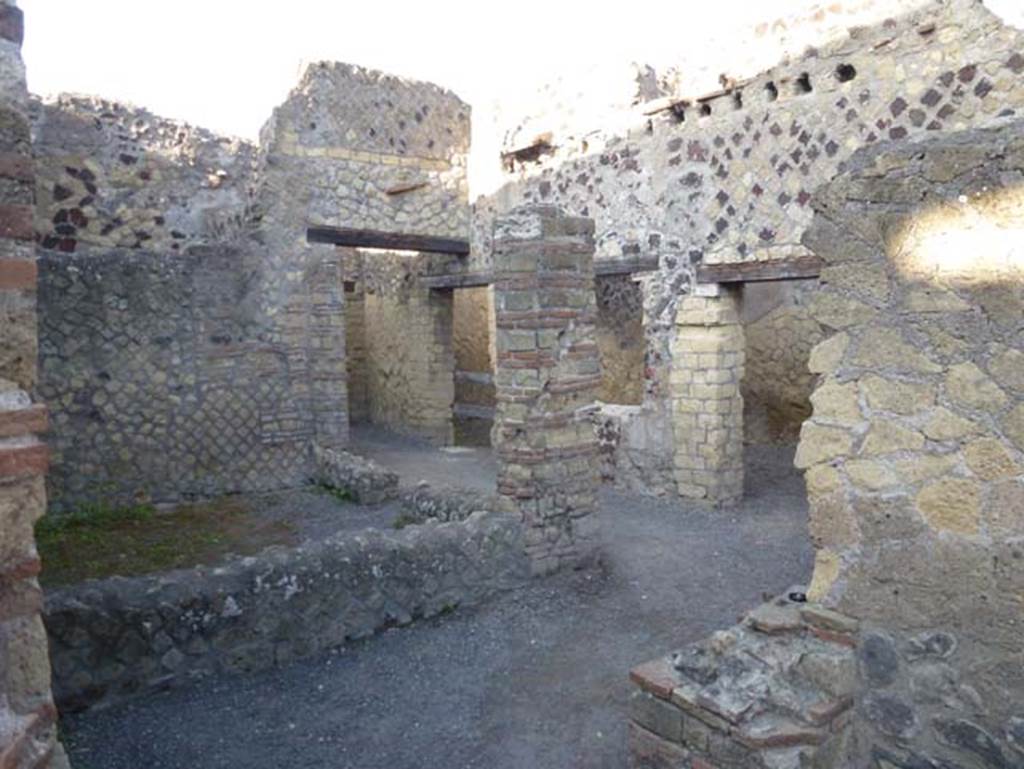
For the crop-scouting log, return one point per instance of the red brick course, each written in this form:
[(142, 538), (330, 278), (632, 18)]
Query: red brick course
[(21, 461), (26, 421), (16, 221)]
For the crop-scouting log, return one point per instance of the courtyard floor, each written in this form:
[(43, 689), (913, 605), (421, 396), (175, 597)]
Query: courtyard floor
[(538, 678)]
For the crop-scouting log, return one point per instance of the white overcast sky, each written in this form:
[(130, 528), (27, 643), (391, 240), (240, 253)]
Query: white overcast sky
[(224, 64)]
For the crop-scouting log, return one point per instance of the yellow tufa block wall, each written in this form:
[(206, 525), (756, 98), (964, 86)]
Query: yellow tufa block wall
[(707, 407)]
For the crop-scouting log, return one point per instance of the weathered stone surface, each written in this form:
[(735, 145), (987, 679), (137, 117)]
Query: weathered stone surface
[(944, 425), (407, 346), (887, 436), (658, 677), (1005, 502), (657, 716), (445, 503), (870, 474), (971, 738), (28, 728), (745, 696), (708, 418), (966, 384), (951, 504), (183, 335), (822, 480), (365, 481), (770, 618), (837, 403), (827, 355), (649, 751), (547, 375), (989, 460), (1013, 426), (827, 564), (878, 659), (256, 612), (925, 467), (936, 506), (838, 312), (820, 443), (937, 644), (896, 396), (886, 349), (890, 715), (819, 616)]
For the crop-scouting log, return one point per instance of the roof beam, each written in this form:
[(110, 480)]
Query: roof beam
[(775, 269), (391, 241)]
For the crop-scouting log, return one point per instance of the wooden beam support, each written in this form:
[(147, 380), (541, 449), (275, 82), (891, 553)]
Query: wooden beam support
[(606, 267), (458, 280), (391, 241), (748, 272), (602, 268)]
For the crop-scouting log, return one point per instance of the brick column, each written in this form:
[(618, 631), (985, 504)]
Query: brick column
[(325, 339), (707, 408), (27, 714), (546, 380)]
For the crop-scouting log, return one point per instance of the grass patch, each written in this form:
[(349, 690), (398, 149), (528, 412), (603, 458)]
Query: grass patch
[(101, 540), (342, 495)]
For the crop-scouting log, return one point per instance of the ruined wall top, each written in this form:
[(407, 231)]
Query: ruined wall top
[(364, 110), (727, 177), (113, 175), (611, 98), (358, 149)]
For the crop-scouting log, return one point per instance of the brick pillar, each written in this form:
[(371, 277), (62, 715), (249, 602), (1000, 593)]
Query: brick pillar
[(546, 379), (325, 338), (707, 408), (27, 714)]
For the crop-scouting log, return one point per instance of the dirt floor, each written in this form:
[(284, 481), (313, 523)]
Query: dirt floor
[(535, 679), (100, 542), (469, 467)]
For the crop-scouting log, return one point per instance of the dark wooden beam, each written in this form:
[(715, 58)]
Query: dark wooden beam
[(606, 267), (391, 241), (458, 280), (775, 269)]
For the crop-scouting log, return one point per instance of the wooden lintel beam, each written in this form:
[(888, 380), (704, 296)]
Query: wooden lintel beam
[(775, 269), (458, 280), (607, 267), (391, 241)]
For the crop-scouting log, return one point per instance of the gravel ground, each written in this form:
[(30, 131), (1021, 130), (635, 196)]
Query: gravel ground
[(535, 679), (416, 460)]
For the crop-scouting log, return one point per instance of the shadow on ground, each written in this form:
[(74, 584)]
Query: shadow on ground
[(536, 679)]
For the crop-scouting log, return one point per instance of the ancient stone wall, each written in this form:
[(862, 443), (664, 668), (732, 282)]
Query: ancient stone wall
[(216, 342), (164, 378), (779, 333), (708, 355), (357, 148), (728, 177), (473, 335), (111, 175), (620, 339), (409, 359), (119, 637), (362, 480), (914, 455), (356, 361), (774, 692), (548, 372), (28, 731)]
